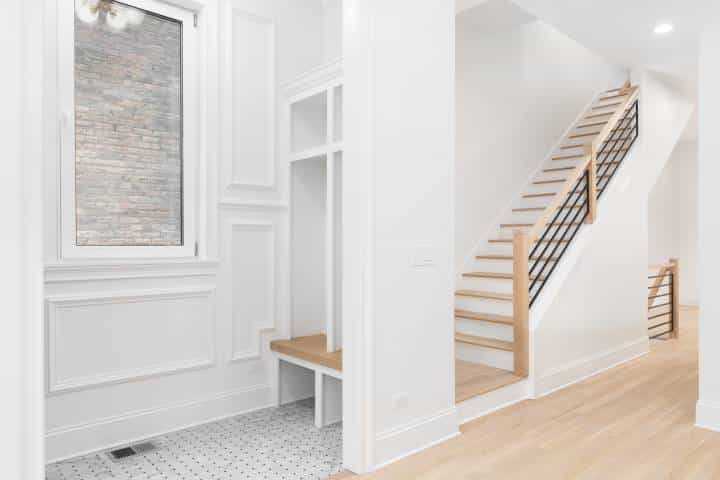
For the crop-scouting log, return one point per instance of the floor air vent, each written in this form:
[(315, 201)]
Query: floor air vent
[(132, 450)]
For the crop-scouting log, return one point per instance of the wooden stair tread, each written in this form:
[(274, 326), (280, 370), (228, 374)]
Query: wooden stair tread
[(516, 225), (528, 209), (496, 275), (311, 348), (485, 317), (545, 182), (580, 135), (568, 157), (510, 240), (558, 169), (610, 97), (539, 195), (484, 342), (597, 115), (608, 105), (573, 145), (593, 124), (473, 379), (480, 294), (494, 257)]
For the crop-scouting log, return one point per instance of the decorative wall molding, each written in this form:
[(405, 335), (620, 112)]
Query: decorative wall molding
[(234, 181), (234, 203), (313, 81), (57, 304), (118, 430), (261, 321), (128, 270)]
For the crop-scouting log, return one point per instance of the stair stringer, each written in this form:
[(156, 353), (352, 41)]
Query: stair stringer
[(591, 314)]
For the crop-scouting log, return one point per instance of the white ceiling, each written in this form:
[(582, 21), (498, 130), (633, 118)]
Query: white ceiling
[(493, 16), (622, 30)]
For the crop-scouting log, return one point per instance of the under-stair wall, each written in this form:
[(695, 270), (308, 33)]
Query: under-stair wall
[(593, 305)]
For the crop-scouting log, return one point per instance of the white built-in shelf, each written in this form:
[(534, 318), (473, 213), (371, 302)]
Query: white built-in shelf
[(315, 132)]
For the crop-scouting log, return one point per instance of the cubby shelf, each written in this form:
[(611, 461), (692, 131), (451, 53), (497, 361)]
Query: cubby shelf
[(314, 150)]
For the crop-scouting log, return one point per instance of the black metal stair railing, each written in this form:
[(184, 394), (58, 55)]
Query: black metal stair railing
[(615, 149), (560, 231)]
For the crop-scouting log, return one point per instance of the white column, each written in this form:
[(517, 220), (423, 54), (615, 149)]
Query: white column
[(21, 352), (397, 207), (708, 406)]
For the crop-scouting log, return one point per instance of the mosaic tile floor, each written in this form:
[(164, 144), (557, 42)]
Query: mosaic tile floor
[(272, 444)]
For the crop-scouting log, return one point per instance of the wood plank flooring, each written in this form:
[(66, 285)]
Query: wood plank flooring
[(635, 421), (472, 379)]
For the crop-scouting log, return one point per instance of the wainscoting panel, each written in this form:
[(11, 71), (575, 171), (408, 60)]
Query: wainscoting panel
[(97, 339), (251, 255), (249, 66)]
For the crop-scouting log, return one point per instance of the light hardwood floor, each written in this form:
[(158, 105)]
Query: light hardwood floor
[(635, 421)]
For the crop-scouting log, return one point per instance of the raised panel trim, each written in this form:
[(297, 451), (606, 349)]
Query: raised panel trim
[(232, 225), (233, 186), (128, 270), (55, 302)]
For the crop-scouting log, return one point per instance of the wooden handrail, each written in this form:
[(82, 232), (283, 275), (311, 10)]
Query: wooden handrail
[(524, 239), (590, 159)]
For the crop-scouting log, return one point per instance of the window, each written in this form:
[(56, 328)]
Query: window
[(128, 92)]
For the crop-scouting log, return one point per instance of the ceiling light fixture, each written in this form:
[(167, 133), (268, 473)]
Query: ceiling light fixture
[(663, 28), (116, 16)]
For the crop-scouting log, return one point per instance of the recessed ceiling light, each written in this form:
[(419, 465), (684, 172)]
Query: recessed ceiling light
[(663, 28)]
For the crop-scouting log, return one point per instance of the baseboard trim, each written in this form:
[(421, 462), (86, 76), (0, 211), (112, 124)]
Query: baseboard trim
[(490, 402), (707, 416), (579, 370), (71, 441), (397, 443)]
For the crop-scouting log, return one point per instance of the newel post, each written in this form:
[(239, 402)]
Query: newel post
[(675, 271), (591, 177), (521, 302)]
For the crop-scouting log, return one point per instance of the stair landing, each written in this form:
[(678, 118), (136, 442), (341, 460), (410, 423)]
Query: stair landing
[(473, 379)]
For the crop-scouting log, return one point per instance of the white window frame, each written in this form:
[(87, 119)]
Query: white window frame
[(190, 96)]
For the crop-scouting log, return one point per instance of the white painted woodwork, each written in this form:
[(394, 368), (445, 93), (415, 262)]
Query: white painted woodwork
[(252, 81)]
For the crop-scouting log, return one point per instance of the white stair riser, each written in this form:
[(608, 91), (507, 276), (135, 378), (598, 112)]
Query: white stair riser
[(499, 248), (483, 305), (494, 266), (486, 356), (486, 284), (484, 329)]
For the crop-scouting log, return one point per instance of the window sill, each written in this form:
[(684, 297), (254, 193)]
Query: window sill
[(93, 270)]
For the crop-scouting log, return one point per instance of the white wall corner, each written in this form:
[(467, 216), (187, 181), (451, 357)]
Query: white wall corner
[(707, 416), (558, 378), (403, 441)]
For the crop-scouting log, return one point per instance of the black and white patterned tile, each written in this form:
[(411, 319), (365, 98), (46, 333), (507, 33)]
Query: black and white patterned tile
[(271, 444)]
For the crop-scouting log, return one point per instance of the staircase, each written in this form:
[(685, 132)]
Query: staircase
[(494, 298)]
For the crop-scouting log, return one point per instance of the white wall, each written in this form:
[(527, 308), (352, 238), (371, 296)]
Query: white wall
[(398, 248), (672, 218), (139, 348), (518, 90), (21, 412), (602, 321), (708, 406)]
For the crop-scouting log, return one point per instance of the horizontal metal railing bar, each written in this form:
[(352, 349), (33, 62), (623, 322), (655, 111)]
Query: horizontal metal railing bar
[(660, 276), (660, 286)]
